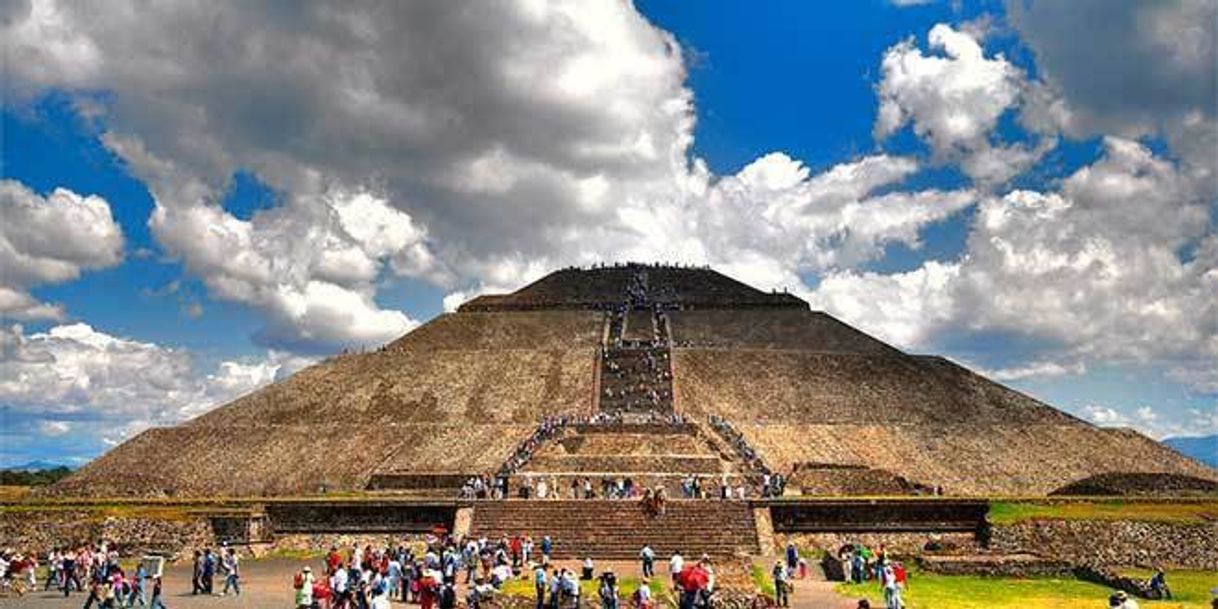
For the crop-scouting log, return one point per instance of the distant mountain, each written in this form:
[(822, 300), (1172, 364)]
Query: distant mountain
[(1201, 448), (35, 466)]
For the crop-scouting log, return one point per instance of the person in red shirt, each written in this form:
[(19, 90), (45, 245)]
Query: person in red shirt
[(693, 581), (321, 593), (333, 561), (516, 546), (427, 590)]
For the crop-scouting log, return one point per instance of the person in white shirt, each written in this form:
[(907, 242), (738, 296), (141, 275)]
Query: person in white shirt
[(892, 589), (1125, 602), (675, 565), (338, 583), (642, 596), (648, 556)]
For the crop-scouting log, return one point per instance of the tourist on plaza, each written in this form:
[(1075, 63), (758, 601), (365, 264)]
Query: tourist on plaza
[(676, 564), (588, 569), (303, 585), (428, 587), (892, 586), (648, 556), (540, 585), (196, 578), (479, 593), (232, 573), (54, 565), (781, 582), (447, 598), (1121, 600), (137, 587), (158, 598), (792, 558), (1158, 585), (209, 572), (642, 597), (607, 591), (692, 583), (555, 588), (338, 586)]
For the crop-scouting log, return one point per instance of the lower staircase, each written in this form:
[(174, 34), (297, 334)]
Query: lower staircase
[(618, 529)]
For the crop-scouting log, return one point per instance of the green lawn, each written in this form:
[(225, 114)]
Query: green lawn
[(1004, 512), (929, 591), (1189, 588)]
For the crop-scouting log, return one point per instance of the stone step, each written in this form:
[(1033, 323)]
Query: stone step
[(689, 464), (618, 529)]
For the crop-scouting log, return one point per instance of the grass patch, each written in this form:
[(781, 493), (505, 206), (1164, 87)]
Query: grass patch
[(1003, 512), (931, 591), (295, 554), (762, 580), (1188, 588)]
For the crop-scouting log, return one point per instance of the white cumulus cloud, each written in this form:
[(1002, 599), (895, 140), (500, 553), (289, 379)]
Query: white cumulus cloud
[(50, 239), (75, 378)]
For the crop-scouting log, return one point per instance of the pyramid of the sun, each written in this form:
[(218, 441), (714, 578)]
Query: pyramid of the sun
[(455, 397)]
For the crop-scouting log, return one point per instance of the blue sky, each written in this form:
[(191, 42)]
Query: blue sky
[(183, 226)]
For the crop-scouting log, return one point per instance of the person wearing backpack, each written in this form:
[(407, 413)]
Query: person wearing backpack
[(158, 599), (447, 597), (303, 583), (137, 586), (642, 596), (608, 591), (540, 584)]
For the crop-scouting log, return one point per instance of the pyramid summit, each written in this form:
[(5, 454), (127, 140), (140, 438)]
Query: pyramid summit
[(648, 372)]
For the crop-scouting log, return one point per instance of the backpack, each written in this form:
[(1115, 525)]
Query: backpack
[(298, 581)]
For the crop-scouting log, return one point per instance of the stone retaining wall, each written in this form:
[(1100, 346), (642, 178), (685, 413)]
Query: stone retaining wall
[(1113, 543), (136, 535), (996, 565), (900, 544)]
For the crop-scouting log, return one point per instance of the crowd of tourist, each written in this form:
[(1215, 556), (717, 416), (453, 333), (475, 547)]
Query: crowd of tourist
[(90, 570), (862, 564), (547, 487), (369, 578), (772, 484)]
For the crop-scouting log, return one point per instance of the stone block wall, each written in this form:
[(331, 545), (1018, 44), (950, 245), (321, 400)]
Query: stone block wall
[(902, 545), (1113, 543), (39, 531)]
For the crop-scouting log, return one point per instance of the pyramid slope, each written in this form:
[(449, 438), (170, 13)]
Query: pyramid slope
[(790, 329), (773, 386), (458, 394), (976, 460)]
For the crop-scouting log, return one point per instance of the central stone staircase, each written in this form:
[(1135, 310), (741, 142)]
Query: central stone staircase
[(649, 455), (618, 529)]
